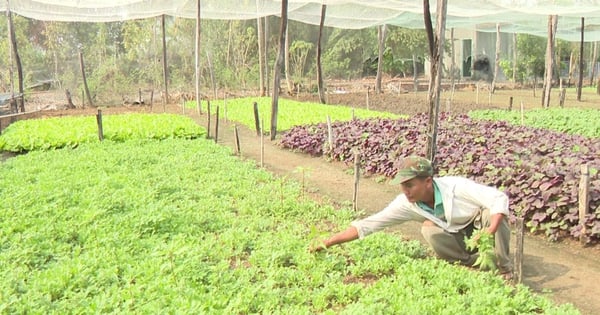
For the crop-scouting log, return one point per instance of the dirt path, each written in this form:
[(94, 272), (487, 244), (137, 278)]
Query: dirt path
[(571, 273)]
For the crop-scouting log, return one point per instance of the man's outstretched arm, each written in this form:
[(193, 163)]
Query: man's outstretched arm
[(350, 234)]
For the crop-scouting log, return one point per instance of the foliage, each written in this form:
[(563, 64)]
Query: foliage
[(290, 112), (572, 121), (347, 48), (483, 242), (531, 57), (538, 169), (59, 132), (180, 226)]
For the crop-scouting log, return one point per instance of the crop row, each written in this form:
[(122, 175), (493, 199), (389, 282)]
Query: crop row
[(576, 121), (182, 226), (538, 169), (69, 132), (290, 113)]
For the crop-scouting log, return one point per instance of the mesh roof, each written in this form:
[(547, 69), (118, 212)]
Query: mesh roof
[(520, 16)]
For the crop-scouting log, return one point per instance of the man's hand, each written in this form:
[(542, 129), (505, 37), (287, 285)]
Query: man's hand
[(317, 246)]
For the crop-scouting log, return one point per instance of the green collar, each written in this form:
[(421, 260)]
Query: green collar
[(438, 209)]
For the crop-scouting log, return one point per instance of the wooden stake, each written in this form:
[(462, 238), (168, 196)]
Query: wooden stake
[(520, 236), (368, 92), (208, 119), (256, 119), (236, 135), (262, 144), (584, 198), (522, 114), (510, 103), (99, 121), (217, 125), (356, 178), (329, 134)]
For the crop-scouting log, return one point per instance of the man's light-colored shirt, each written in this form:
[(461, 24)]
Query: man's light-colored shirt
[(462, 199)]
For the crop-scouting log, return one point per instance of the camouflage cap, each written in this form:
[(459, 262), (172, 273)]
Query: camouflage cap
[(411, 167)]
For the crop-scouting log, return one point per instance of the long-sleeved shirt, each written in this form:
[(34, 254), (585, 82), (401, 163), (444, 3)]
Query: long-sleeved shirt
[(463, 200)]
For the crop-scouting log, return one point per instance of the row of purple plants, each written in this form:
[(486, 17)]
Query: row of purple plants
[(538, 169)]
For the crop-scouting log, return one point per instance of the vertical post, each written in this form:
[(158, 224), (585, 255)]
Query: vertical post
[(15, 52), (236, 135), (356, 178), (519, 251), (217, 125), (85, 85), (584, 199), (262, 144), (510, 103), (99, 121), (164, 62), (368, 92), (580, 82), (320, 85), (207, 119), (329, 134), (522, 114), (256, 119), (197, 56), (278, 67)]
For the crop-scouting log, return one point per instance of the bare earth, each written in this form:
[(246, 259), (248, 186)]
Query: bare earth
[(566, 271)]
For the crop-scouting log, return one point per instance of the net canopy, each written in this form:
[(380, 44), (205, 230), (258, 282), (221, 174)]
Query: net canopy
[(514, 16)]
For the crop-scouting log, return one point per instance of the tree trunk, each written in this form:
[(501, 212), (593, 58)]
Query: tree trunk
[(580, 82), (278, 66), (497, 61), (319, 48), (437, 54), (552, 24), (381, 30), (197, 56), (15, 52), (85, 85), (261, 66)]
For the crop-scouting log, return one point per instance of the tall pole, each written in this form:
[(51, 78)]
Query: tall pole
[(164, 61), (319, 49), (261, 46), (15, 52), (278, 66), (436, 50), (580, 82), (197, 57)]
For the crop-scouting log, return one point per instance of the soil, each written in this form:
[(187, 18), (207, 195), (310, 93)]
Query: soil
[(566, 271)]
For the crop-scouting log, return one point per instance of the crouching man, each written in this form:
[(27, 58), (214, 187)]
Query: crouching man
[(449, 208)]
